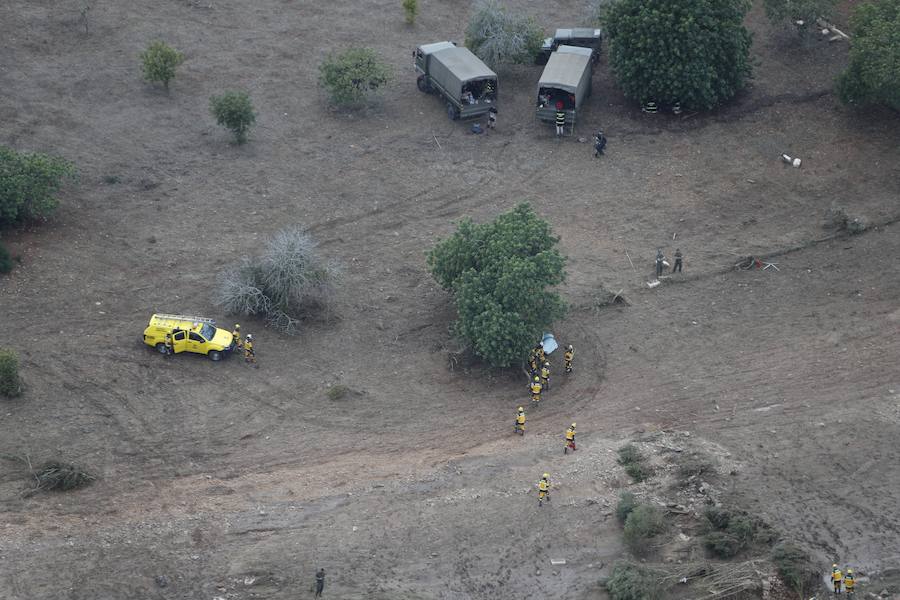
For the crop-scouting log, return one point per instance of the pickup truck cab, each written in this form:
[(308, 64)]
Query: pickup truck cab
[(189, 334), (583, 37)]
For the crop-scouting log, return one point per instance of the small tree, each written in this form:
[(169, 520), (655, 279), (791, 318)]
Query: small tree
[(873, 75), (28, 184), (801, 14), (641, 524), (685, 52), (353, 75), (499, 37), (410, 10), (234, 111), (629, 581), (160, 61), (498, 273), (10, 385)]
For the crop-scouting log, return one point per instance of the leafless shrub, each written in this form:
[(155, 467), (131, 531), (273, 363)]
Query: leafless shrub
[(289, 282)]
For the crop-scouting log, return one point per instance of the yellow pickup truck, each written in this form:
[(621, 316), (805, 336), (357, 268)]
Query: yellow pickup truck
[(189, 334)]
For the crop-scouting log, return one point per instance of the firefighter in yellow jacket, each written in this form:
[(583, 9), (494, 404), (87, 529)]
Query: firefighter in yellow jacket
[(536, 388), (236, 336), (849, 581), (545, 377), (570, 439), (519, 426), (568, 355), (249, 352), (544, 489), (836, 578)]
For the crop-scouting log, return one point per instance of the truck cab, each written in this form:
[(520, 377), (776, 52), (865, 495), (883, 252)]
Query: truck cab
[(583, 37)]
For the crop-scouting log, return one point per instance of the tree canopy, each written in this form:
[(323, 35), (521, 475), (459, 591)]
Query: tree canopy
[(498, 273), (689, 52), (873, 75)]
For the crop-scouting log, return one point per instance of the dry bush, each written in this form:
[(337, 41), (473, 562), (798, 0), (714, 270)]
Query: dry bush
[(795, 567), (288, 283), (336, 392), (643, 523), (10, 384), (693, 465), (57, 476)]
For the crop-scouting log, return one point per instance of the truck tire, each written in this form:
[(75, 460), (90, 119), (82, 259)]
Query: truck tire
[(214, 355), (452, 111), (422, 84), (161, 348)]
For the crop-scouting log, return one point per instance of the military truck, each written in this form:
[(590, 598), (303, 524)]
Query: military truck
[(465, 83), (582, 37), (565, 83)]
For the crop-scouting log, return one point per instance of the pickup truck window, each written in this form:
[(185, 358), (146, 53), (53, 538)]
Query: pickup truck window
[(196, 337), (179, 335), (208, 331)]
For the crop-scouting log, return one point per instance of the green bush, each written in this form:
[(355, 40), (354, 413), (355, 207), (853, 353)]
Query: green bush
[(873, 75), (629, 581), (353, 75), (795, 567), (685, 52), (336, 392), (234, 111), (410, 10), (627, 503), (801, 14), (638, 472), (634, 463), (498, 273), (727, 532), (499, 37), (159, 62), (10, 384), (6, 262), (692, 465), (29, 183), (642, 524), (629, 454)]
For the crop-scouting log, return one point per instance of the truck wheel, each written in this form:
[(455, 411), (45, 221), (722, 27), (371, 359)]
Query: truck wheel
[(452, 112), (214, 355), (161, 348), (422, 84)]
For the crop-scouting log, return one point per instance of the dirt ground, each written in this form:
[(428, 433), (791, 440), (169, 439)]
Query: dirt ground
[(237, 483)]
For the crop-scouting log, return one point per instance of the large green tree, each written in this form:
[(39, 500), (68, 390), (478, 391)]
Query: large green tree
[(691, 52), (499, 273), (873, 75), (29, 183)]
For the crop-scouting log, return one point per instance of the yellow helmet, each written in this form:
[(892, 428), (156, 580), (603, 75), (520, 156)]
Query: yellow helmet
[(521, 409), (546, 476), (849, 570), (573, 425), (537, 379)]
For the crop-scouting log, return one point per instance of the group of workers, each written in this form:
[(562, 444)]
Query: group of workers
[(540, 383), (848, 580), (246, 345), (660, 262)]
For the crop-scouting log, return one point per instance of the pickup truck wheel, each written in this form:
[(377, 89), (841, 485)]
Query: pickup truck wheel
[(452, 112), (214, 355), (422, 84), (161, 348)]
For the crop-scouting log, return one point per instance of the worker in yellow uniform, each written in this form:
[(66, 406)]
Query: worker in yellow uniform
[(836, 578), (539, 352), (249, 352), (568, 355), (544, 489), (170, 348), (536, 388), (849, 581), (545, 377), (236, 336), (519, 426), (570, 439)]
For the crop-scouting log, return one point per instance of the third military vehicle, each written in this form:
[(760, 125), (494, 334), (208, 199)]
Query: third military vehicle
[(465, 83), (565, 83), (583, 37)]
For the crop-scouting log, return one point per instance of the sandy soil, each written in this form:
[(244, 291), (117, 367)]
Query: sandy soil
[(238, 483)]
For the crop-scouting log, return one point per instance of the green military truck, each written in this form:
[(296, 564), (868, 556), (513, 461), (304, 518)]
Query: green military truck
[(465, 83), (565, 83), (583, 37)]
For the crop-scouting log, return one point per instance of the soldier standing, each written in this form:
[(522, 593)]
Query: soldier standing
[(320, 582), (678, 261), (659, 262)]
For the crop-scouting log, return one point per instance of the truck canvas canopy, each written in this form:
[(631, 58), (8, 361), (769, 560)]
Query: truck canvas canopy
[(457, 66), (566, 69)]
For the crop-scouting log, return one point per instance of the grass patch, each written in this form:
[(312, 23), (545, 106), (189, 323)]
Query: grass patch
[(634, 462), (336, 392), (56, 476), (644, 522), (627, 503), (795, 567), (629, 581)]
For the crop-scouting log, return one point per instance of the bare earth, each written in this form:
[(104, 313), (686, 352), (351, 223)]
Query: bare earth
[(239, 483)]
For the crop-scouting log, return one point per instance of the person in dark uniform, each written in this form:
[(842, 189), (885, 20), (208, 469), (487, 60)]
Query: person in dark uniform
[(678, 261), (492, 118), (599, 143), (320, 582), (659, 262)]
